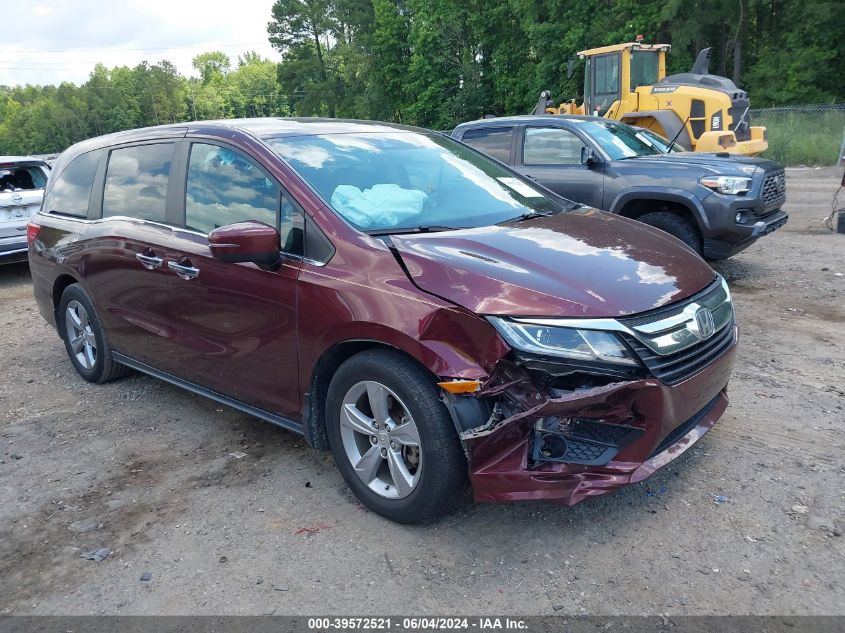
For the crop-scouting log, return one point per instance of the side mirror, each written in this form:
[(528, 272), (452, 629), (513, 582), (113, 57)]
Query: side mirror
[(588, 156), (246, 242)]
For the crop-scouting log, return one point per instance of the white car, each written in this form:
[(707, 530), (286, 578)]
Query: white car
[(22, 181)]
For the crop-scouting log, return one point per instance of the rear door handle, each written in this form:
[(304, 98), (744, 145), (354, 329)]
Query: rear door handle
[(185, 271), (150, 262)]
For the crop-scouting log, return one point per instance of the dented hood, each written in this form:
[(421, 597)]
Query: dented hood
[(583, 263)]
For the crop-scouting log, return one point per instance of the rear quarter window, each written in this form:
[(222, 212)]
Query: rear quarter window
[(71, 191), (136, 181)]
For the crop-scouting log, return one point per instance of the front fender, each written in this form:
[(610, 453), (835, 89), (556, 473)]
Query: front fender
[(448, 342), (678, 196)]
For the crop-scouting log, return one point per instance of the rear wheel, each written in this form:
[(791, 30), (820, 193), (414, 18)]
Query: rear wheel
[(392, 438), (85, 339), (674, 225)]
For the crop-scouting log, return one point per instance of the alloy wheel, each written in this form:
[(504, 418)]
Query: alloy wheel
[(83, 342), (380, 439)]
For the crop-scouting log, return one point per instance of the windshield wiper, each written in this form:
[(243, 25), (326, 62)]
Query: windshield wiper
[(428, 228), (529, 216)]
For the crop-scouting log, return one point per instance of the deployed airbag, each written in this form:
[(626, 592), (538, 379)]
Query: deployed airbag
[(379, 206)]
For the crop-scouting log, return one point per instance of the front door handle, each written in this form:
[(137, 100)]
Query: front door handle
[(150, 262), (185, 270)]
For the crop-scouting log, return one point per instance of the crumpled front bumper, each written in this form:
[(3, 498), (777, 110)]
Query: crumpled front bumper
[(665, 420)]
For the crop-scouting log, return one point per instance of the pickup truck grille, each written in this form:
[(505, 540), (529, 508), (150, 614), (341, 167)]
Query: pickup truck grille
[(774, 188)]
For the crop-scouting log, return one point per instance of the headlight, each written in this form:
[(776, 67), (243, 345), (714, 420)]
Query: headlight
[(585, 345), (727, 184)]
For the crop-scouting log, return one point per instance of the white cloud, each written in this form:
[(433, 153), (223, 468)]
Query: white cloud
[(63, 40)]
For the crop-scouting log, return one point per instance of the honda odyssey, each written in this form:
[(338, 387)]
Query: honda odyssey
[(420, 310)]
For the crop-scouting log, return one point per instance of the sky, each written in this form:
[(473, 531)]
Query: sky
[(51, 41)]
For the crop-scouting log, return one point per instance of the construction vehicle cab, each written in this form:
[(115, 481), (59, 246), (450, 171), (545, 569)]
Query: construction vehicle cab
[(628, 82)]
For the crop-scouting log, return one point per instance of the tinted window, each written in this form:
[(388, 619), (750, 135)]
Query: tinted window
[(317, 245), (136, 182), (22, 178), (291, 227), (225, 187), (606, 82), (493, 141), (403, 180), (551, 146), (644, 68), (70, 192)]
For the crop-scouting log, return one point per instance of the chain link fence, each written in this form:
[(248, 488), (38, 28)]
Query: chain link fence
[(810, 135)]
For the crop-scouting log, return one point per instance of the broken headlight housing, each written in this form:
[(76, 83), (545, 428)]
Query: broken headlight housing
[(541, 336)]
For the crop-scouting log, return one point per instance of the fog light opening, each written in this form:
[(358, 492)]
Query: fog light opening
[(553, 447)]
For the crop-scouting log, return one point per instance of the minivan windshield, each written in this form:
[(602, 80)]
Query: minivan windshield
[(404, 181), (617, 141)]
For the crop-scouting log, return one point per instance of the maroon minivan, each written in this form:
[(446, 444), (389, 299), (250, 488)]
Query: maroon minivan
[(396, 297)]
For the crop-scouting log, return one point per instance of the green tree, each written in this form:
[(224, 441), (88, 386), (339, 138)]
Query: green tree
[(212, 66), (298, 26)]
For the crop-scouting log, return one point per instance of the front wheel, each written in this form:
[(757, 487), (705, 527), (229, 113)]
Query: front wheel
[(675, 225), (392, 437)]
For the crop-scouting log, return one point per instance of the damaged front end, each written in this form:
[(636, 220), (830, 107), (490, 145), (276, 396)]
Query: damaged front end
[(549, 428)]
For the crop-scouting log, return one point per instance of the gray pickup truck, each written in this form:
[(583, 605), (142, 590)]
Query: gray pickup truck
[(717, 204)]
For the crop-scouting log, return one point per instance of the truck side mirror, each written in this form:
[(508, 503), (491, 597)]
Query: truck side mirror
[(588, 156)]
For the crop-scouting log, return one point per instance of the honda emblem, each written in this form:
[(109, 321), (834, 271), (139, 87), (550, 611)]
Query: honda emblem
[(704, 326)]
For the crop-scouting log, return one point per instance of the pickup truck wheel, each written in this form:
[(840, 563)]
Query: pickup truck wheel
[(85, 338), (675, 225), (392, 438)]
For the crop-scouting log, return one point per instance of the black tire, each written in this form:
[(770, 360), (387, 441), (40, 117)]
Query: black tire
[(675, 225), (104, 368), (443, 471)]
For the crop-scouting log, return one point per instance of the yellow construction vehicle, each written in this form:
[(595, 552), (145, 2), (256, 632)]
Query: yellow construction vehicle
[(700, 111)]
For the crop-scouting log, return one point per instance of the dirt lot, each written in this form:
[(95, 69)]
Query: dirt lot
[(144, 469)]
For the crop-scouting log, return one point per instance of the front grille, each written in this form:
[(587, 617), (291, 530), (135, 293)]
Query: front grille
[(676, 367), (708, 296), (774, 188), (583, 452), (674, 362), (600, 431), (682, 429)]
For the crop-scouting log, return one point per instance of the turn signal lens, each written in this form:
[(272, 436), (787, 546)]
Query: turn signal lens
[(460, 386)]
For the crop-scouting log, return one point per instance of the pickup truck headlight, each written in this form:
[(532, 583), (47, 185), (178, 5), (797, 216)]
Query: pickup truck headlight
[(534, 336), (727, 184)]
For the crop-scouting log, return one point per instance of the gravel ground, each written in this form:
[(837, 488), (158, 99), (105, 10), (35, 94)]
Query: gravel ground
[(144, 469)]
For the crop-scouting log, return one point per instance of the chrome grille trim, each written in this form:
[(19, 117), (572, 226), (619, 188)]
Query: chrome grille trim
[(672, 364), (643, 333)]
